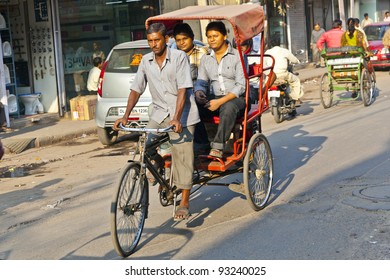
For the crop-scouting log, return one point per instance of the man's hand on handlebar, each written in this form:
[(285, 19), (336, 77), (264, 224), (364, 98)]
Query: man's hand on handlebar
[(177, 127), (122, 121)]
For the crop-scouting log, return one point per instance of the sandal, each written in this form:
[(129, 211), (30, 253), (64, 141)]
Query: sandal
[(216, 153), (182, 213)]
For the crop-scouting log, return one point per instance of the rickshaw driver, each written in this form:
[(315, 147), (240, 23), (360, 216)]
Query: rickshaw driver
[(222, 68), (167, 72)]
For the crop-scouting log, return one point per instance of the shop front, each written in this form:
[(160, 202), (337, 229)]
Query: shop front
[(54, 43), (91, 28)]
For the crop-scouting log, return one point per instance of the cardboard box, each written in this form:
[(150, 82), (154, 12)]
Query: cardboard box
[(83, 107)]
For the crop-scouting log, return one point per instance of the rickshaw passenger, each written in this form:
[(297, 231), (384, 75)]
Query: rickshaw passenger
[(173, 104), (332, 38), (358, 27), (184, 37), (353, 37), (221, 68), (386, 38)]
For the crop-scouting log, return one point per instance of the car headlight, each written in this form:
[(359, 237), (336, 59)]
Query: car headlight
[(385, 51)]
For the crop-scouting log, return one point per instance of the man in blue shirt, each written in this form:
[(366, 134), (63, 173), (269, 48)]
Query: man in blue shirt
[(221, 69)]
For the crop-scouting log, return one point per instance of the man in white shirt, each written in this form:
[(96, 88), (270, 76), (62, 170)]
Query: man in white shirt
[(366, 21), (282, 58), (93, 76)]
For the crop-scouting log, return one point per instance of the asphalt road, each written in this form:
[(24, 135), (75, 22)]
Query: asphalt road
[(329, 201)]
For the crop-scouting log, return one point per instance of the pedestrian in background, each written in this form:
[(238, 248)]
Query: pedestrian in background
[(94, 74), (387, 16), (366, 21), (97, 51), (315, 36)]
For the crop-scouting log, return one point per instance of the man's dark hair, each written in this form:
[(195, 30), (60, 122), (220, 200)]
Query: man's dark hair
[(365, 15), (337, 23), (357, 21), (157, 27), (97, 60), (217, 26), (183, 28), (275, 42), (350, 21)]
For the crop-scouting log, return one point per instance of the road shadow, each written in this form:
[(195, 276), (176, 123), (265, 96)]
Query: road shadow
[(291, 149)]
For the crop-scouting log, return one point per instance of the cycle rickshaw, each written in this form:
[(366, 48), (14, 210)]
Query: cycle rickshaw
[(348, 70), (251, 152)]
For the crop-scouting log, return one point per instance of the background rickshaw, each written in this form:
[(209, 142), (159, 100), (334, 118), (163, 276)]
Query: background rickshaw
[(347, 71), (250, 154)]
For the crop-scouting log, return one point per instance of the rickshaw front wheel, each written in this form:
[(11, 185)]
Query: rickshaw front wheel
[(258, 172), (129, 209)]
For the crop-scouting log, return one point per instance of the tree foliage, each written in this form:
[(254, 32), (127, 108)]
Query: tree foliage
[(282, 5)]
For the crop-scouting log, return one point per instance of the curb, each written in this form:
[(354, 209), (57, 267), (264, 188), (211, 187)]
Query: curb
[(50, 140)]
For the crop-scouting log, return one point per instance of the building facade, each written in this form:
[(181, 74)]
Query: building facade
[(53, 40)]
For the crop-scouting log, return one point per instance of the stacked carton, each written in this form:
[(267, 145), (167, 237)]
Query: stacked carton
[(83, 107)]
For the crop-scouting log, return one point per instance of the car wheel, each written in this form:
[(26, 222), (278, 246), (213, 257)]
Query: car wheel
[(106, 135)]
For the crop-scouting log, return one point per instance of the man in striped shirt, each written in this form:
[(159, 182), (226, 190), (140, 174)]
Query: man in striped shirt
[(184, 37)]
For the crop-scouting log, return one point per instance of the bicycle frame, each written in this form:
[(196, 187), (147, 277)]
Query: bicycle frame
[(146, 161), (143, 147)]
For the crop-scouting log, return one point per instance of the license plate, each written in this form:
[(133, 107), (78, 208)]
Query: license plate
[(136, 111), (274, 93)]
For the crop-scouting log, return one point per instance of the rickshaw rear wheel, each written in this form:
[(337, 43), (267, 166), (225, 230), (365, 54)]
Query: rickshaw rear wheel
[(326, 91), (258, 172), (129, 209), (367, 87)]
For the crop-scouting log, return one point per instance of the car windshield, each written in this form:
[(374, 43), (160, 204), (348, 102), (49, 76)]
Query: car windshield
[(375, 32), (125, 60)]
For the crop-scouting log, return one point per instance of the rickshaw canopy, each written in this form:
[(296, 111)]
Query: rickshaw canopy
[(247, 20)]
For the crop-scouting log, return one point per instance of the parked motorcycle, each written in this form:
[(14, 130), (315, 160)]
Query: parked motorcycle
[(280, 101)]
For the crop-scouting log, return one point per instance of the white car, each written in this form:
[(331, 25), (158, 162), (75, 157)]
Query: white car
[(117, 74)]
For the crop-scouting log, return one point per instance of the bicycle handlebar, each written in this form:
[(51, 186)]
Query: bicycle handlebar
[(146, 130)]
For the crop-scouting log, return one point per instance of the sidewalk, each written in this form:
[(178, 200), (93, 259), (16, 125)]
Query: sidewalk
[(47, 129), (43, 130)]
